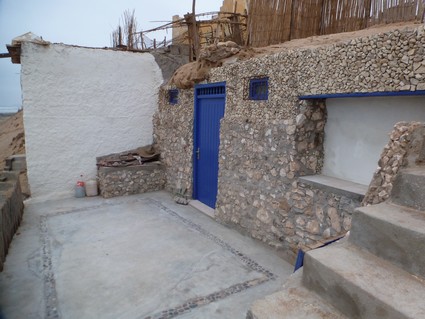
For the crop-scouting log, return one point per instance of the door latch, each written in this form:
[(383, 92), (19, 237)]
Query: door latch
[(197, 153)]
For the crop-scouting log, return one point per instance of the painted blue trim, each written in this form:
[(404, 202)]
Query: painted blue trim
[(196, 126), (300, 256), (173, 96), (256, 83), (300, 260), (195, 145), (209, 96), (367, 94), (210, 85), (205, 87)]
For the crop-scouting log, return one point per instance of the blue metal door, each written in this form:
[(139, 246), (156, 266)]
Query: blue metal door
[(209, 109)]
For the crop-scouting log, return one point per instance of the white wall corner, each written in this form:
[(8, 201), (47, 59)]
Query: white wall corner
[(81, 103)]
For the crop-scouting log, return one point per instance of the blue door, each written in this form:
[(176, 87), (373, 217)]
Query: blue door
[(209, 109)]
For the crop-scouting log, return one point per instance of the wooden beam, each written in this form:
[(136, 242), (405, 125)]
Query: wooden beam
[(189, 21), (196, 46)]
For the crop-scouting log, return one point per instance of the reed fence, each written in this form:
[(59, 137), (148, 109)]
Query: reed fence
[(277, 21)]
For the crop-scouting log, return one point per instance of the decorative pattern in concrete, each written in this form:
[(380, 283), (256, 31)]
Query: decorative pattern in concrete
[(259, 274)]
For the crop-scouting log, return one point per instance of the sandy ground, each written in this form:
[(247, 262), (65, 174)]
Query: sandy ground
[(12, 142)]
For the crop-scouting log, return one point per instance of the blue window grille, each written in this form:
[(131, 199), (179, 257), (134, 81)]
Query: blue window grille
[(214, 90), (173, 96), (259, 89)]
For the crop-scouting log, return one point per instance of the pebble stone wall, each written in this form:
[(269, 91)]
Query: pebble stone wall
[(121, 181), (173, 137), (266, 145), (406, 148)]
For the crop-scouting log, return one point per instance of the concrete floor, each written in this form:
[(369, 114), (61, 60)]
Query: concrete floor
[(132, 257)]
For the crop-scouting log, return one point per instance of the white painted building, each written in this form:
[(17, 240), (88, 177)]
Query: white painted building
[(80, 103)]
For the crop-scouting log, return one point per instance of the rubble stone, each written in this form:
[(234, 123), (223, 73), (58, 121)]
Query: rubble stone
[(266, 145), (120, 181), (407, 141)]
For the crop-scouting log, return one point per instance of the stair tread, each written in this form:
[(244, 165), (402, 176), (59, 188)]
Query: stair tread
[(395, 233), (376, 277), (419, 171), (294, 302), (396, 214)]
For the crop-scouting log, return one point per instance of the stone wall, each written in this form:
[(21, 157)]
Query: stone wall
[(260, 160), (173, 137), (405, 148), (11, 210), (266, 145), (121, 181)]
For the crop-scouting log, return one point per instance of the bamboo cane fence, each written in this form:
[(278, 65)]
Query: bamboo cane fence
[(277, 21)]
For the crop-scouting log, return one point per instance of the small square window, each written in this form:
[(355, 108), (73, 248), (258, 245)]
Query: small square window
[(259, 89), (173, 96)]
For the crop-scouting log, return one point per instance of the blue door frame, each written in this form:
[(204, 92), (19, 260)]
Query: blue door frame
[(209, 109)]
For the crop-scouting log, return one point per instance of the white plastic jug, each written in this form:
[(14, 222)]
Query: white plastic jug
[(91, 188)]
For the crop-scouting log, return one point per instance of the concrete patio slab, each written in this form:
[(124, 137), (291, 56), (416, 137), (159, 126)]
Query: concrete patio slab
[(140, 256)]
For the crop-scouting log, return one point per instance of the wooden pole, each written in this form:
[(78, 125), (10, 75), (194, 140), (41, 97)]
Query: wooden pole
[(189, 21), (143, 42), (195, 31), (368, 7), (292, 24)]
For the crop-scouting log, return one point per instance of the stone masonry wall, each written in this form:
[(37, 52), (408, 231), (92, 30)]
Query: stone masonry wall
[(405, 148), (260, 161), (120, 181), (173, 137), (266, 145), (11, 211)]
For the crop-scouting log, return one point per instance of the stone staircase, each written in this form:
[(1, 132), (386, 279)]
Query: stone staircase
[(379, 272)]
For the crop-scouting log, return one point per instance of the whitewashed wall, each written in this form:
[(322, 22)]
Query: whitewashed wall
[(358, 129), (80, 103)]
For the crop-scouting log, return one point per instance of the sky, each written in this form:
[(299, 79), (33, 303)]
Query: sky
[(78, 22)]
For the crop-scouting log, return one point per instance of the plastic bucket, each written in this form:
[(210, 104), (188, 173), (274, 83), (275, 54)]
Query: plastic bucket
[(91, 188)]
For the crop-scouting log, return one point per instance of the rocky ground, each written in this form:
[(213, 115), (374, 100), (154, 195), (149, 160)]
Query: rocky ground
[(12, 142)]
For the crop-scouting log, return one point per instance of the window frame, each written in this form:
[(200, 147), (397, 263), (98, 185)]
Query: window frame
[(173, 96), (254, 83)]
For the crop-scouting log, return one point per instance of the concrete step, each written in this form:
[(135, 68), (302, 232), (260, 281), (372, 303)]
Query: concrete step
[(408, 188), (294, 302), (362, 285), (392, 232)]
